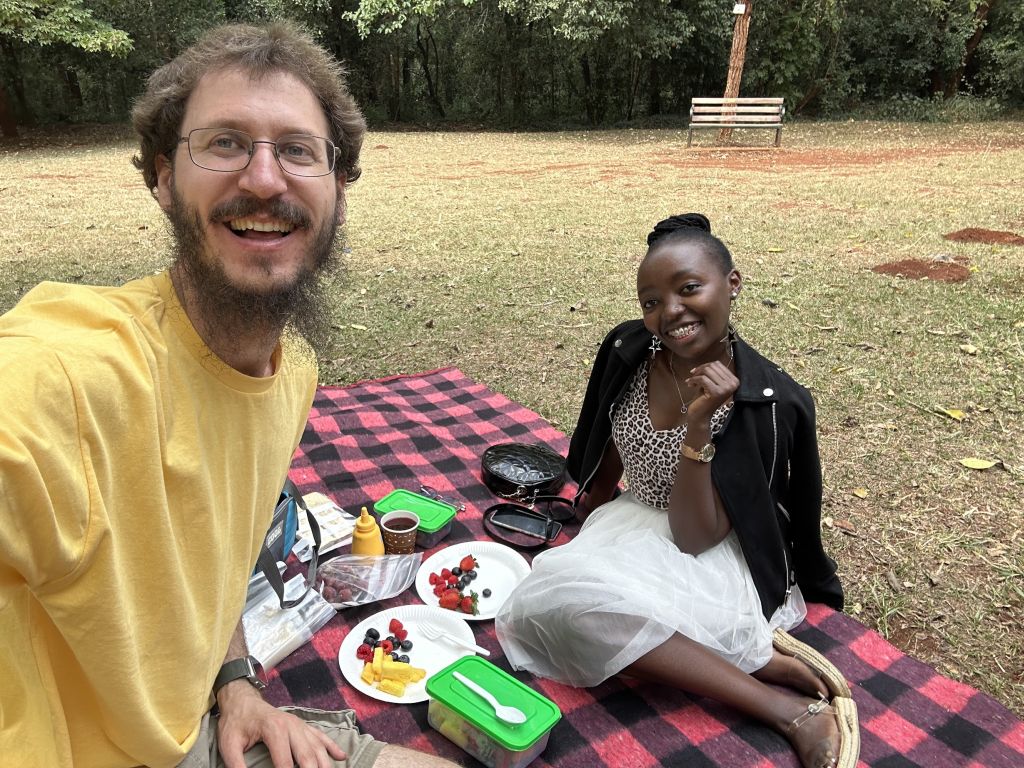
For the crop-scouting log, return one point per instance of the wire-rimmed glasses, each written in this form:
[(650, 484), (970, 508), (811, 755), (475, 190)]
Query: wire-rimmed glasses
[(226, 150), (429, 492)]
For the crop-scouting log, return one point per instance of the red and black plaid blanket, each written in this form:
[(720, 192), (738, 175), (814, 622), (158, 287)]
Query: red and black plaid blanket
[(363, 441)]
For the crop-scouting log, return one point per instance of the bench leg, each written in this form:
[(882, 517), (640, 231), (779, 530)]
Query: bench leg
[(689, 137), (778, 137)]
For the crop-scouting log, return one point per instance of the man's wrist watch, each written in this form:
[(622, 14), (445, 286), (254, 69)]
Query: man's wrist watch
[(248, 667), (704, 455)]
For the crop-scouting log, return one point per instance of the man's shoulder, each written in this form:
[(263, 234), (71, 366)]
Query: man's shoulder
[(67, 313)]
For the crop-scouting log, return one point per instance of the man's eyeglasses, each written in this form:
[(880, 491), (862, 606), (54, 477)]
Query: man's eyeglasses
[(227, 150), (429, 492)]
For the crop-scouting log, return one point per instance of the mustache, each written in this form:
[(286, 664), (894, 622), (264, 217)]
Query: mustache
[(242, 207)]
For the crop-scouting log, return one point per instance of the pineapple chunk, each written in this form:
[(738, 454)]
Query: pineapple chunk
[(378, 660), (367, 674), (394, 687)]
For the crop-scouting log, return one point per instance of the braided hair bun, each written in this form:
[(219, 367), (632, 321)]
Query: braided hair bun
[(674, 223)]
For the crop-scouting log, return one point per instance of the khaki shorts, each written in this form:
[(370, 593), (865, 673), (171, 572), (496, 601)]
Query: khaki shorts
[(362, 750)]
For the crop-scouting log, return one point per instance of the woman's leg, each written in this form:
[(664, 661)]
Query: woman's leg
[(689, 666)]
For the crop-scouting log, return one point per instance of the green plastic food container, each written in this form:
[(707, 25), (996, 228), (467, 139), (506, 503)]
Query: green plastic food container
[(435, 516), (464, 718)]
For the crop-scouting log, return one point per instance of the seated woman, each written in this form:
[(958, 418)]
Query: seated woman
[(684, 578)]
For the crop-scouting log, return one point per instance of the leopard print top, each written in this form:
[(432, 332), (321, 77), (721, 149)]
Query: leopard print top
[(650, 457)]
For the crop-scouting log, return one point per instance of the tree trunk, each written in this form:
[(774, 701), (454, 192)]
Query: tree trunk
[(8, 125), (654, 89), (424, 49), (737, 58), (588, 90), (980, 15)]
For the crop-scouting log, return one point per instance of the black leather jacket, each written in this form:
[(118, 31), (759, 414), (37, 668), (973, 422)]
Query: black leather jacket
[(766, 467)]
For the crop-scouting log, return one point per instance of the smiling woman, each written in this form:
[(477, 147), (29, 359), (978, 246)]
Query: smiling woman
[(686, 577)]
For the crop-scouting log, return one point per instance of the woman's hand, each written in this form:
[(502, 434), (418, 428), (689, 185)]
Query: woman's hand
[(716, 384)]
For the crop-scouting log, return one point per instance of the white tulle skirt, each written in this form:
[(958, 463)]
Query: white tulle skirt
[(621, 588)]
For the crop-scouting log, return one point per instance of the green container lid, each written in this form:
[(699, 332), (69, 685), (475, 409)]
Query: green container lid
[(433, 514), (541, 713)]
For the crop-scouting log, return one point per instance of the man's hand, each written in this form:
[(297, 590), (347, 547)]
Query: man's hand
[(246, 719)]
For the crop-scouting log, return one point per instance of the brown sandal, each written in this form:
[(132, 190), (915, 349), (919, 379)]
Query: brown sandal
[(788, 645), (845, 712)]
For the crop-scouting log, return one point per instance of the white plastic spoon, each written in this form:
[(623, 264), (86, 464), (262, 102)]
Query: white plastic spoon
[(510, 715)]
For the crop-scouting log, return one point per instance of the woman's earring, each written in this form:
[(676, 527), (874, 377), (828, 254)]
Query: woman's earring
[(733, 295), (655, 345)]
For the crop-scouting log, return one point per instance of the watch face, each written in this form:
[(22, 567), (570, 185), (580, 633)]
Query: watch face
[(707, 453)]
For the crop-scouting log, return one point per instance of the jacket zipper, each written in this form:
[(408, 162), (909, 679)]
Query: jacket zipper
[(789, 576)]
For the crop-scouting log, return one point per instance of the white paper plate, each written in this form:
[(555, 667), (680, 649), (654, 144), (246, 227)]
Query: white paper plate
[(431, 655), (499, 569)]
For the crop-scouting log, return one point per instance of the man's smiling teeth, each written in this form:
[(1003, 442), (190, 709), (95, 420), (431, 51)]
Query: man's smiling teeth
[(240, 225), (683, 331)]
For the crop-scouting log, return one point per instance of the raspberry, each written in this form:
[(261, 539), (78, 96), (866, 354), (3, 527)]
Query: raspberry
[(400, 634), (445, 573), (364, 652), (434, 579), (387, 646), (394, 626)]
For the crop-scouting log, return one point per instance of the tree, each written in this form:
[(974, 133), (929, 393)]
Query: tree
[(45, 23)]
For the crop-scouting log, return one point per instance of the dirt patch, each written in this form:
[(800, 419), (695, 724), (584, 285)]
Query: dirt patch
[(975, 235), (917, 269)]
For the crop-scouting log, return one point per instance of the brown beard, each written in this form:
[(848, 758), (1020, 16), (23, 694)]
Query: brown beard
[(230, 312)]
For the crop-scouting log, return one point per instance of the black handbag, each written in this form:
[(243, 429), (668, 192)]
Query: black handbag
[(523, 471)]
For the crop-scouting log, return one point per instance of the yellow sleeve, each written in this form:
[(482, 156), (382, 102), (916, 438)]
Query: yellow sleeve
[(43, 486)]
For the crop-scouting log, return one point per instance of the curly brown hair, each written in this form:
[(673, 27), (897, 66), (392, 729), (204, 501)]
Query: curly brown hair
[(257, 50)]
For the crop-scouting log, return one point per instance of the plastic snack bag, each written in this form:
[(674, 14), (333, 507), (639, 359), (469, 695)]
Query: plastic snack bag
[(352, 580), (272, 632)]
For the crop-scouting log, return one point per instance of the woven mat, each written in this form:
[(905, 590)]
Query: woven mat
[(363, 441)]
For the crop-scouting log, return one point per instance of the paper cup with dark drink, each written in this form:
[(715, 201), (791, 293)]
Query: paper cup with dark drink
[(399, 531)]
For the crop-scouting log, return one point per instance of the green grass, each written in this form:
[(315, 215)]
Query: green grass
[(510, 255)]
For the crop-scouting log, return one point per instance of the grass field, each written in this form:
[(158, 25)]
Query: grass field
[(510, 255)]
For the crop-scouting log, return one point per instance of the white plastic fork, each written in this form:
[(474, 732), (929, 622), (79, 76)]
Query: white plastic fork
[(434, 632)]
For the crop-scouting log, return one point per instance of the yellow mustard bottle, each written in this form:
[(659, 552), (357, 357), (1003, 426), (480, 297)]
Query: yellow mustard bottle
[(366, 538)]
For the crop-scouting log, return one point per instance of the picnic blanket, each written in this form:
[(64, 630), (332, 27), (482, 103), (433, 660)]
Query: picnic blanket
[(363, 441)]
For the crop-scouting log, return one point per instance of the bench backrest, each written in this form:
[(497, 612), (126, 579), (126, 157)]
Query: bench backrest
[(762, 111)]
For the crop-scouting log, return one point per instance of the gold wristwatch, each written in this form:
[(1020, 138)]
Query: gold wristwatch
[(704, 455)]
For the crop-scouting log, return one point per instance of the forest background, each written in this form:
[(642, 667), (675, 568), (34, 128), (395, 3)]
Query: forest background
[(544, 63)]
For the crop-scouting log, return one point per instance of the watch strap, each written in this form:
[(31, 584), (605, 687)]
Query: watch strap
[(235, 670)]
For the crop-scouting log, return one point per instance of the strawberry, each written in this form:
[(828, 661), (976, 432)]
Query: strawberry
[(450, 599), (394, 626), (468, 563), (468, 604)]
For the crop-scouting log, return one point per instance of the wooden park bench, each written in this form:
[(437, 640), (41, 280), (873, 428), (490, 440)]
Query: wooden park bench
[(711, 112)]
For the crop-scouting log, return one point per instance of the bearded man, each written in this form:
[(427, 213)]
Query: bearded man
[(148, 430)]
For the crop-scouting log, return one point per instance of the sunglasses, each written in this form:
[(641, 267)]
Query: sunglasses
[(529, 527)]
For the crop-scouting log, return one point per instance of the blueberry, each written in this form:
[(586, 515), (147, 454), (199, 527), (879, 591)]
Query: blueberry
[(393, 639), (406, 645), (404, 658), (396, 657), (463, 582), (471, 574), (487, 593), (456, 571), (371, 632)]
